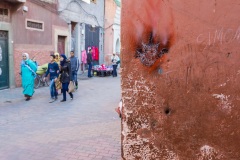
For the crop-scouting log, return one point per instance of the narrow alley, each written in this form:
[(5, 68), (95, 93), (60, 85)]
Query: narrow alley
[(86, 127)]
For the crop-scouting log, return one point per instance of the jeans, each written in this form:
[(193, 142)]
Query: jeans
[(65, 90), (89, 69), (53, 90), (74, 75), (115, 70)]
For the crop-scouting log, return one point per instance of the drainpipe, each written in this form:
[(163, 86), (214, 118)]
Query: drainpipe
[(103, 32), (70, 37)]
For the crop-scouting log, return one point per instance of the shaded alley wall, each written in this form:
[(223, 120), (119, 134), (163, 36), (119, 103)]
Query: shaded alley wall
[(184, 104)]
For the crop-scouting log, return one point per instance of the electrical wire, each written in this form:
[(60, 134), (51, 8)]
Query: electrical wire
[(77, 2)]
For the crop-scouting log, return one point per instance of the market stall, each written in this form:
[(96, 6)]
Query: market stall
[(102, 70)]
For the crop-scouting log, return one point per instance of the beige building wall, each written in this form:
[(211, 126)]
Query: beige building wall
[(112, 30)]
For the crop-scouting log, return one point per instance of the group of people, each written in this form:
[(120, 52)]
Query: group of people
[(62, 72)]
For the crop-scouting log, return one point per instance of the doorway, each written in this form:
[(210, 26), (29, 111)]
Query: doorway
[(61, 44), (4, 66)]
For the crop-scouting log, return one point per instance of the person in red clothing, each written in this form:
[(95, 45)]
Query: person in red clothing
[(95, 53)]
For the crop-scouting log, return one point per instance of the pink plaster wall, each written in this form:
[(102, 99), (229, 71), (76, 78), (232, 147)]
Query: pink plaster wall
[(110, 11), (186, 105), (37, 44), (40, 52)]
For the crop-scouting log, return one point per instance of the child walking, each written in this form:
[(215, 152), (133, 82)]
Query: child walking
[(53, 70)]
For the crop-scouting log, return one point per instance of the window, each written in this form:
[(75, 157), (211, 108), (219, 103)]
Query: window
[(4, 15), (3, 12), (49, 1), (94, 1), (34, 25)]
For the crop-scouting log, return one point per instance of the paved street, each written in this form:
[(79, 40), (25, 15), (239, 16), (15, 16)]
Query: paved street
[(84, 128)]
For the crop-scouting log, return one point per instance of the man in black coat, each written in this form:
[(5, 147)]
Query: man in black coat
[(89, 62)]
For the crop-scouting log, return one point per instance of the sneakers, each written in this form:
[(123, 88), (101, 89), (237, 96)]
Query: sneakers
[(52, 100), (63, 100)]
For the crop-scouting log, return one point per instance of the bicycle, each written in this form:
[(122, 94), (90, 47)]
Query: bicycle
[(39, 80)]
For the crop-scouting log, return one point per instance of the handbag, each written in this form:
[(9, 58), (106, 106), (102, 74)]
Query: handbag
[(58, 84), (71, 87)]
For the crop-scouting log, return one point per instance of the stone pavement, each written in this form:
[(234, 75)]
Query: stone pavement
[(85, 128)]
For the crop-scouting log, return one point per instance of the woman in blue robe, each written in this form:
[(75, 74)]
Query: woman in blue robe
[(28, 72)]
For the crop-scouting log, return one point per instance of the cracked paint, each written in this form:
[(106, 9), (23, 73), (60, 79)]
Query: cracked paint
[(224, 103)]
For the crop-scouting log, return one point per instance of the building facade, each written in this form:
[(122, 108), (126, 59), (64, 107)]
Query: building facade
[(112, 39), (85, 20), (31, 26)]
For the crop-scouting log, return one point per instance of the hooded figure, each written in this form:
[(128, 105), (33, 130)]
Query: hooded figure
[(66, 76), (28, 73)]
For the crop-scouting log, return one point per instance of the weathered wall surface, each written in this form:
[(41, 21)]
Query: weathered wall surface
[(78, 11), (185, 106)]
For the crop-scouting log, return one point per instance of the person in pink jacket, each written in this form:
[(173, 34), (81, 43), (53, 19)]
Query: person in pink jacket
[(84, 57)]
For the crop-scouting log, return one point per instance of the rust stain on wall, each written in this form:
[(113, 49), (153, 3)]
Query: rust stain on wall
[(185, 106)]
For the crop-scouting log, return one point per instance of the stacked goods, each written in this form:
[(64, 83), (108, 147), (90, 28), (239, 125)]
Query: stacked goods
[(42, 69)]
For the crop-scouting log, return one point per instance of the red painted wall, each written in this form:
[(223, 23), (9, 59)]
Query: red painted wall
[(186, 104)]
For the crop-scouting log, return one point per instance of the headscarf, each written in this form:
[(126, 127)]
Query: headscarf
[(27, 55), (57, 57), (27, 63), (24, 61), (64, 60)]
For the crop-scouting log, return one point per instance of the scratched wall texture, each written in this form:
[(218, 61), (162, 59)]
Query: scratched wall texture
[(187, 105)]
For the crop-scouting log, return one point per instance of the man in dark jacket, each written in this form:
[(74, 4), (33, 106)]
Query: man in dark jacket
[(89, 62), (74, 67)]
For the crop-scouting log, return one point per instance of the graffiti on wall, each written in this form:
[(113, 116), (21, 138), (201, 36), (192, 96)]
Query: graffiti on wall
[(219, 37)]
